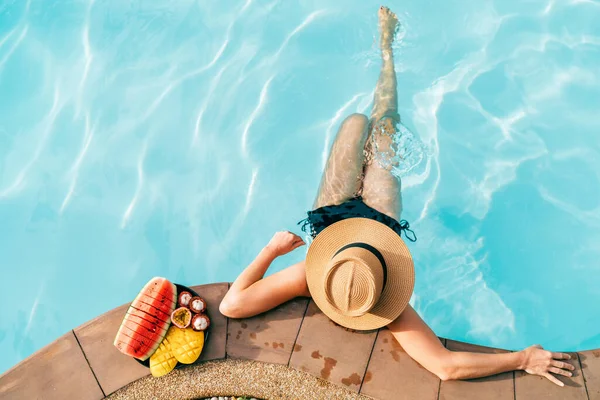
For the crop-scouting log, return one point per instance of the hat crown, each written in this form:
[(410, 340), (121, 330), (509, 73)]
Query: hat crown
[(354, 281)]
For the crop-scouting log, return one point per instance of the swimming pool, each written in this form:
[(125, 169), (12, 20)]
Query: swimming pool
[(173, 138)]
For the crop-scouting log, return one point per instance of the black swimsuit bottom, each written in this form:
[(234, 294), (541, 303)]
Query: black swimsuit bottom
[(322, 217)]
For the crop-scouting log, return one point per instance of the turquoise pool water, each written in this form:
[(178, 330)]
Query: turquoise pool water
[(143, 138)]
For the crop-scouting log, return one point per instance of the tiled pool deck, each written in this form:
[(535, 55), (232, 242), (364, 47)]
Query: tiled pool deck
[(295, 341)]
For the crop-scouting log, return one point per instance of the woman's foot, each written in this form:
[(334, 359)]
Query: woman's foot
[(388, 24)]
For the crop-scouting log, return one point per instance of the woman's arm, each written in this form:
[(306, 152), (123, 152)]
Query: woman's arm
[(419, 341), (250, 294)]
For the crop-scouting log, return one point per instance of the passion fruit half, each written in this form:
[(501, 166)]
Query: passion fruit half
[(181, 317)]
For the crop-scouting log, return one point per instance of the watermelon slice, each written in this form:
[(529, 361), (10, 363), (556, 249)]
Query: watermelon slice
[(142, 315), (145, 329), (133, 348), (141, 345), (153, 311), (159, 290), (133, 320), (148, 309), (147, 319), (138, 333), (165, 305)]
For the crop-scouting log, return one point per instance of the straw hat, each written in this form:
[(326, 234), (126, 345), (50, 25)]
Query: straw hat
[(360, 273)]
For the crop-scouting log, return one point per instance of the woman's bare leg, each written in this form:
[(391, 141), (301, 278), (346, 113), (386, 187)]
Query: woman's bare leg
[(341, 179), (253, 294), (381, 189)]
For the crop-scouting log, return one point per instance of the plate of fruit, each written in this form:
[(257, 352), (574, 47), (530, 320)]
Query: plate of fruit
[(166, 325)]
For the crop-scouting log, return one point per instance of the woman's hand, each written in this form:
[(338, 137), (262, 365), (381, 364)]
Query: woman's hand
[(538, 361), (284, 242)]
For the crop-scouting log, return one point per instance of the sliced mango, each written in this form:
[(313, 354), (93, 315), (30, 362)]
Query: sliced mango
[(163, 360), (183, 345), (188, 345)]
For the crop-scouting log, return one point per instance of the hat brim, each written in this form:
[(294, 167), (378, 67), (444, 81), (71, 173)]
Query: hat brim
[(400, 270)]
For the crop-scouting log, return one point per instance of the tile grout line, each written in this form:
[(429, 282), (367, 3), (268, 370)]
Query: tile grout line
[(445, 343), (88, 363), (514, 374), (369, 360), (298, 333), (583, 376), (226, 324), (514, 380)]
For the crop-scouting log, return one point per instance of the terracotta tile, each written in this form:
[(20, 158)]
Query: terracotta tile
[(268, 337), (215, 345), (537, 387), (112, 368), (590, 362), (392, 374), (58, 371), (497, 387), (331, 352)]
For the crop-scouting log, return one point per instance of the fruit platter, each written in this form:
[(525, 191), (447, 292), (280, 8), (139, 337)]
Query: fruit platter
[(165, 325)]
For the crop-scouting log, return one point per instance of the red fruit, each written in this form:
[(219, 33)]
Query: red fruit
[(167, 306), (139, 347), (184, 299), (155, 312), (140, 314), (197, 305), (147, 319), (134, 319), (160, 289), (200, 322)]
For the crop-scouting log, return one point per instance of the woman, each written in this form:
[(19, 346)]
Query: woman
[(358, 269)]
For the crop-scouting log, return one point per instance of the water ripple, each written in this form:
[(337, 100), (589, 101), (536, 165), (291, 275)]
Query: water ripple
[(7, 36), (74, 172), (138, 190), (88, 57), (47, 126), (214, 82), (257, 109), (307, 21), (16, 44)]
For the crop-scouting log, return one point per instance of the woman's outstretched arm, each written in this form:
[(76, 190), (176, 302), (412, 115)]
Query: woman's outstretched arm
[(251, 294), (419, 341)]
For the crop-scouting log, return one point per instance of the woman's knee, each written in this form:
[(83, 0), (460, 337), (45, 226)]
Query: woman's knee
[(358, 122), (230, 306), (353, 131)]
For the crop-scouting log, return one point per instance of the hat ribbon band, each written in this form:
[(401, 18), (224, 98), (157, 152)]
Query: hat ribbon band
[(373, 250)]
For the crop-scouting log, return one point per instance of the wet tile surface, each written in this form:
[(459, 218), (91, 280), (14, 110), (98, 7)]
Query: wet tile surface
[(392, 374), (296, 332), (112, 368), (58, 371), (497, 387), (215, 345), (331, 352), (590, 363), (536, 387), (268, 337)]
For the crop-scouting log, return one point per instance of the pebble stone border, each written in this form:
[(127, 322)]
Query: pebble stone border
[(230, 398)]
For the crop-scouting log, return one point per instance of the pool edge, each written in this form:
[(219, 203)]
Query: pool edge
[(295, 336)]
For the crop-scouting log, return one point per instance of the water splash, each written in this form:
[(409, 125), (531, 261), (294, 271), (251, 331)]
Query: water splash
[(405, 152)]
